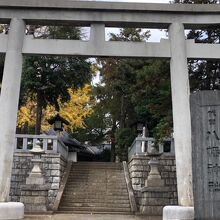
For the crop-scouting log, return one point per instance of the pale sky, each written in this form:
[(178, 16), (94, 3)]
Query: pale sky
[(142, 1), (156, 35)]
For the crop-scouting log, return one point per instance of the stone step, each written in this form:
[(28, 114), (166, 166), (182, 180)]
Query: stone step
[(84, 167), (95, 212), (97, 193), (98, 165), (112, 176), (96, 200), (91, 189), (95, 187), (96, 180), (97, 204), (94, 209), (100, 185), (91, 167), (96, 196), (93, 177)]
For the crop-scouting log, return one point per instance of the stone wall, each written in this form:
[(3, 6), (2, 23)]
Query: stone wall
[(53, 169), (139, 169)]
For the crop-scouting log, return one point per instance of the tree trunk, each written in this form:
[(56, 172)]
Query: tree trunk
[(113, 143), (39, 112), (122, 112)]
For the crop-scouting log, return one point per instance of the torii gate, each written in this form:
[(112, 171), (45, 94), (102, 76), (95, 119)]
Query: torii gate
[(98, 15)]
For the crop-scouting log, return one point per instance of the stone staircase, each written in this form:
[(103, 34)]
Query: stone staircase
[(94, 187)]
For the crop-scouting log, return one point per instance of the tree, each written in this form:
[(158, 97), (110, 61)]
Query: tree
[(46, 78), (135, 90), (75, 110)]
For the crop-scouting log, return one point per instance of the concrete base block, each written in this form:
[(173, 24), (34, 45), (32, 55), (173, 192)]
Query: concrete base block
[(178, 213), (11, 210)]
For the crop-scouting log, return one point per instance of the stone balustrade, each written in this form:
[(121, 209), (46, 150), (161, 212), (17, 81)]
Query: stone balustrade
[(50, 144), (53, 164), (151, 200), (141, 145)]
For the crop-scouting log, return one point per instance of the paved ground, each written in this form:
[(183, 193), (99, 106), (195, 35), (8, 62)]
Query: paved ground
[(89, 217)]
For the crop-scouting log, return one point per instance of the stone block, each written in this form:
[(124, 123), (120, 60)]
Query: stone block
[(56, 179), (33, 199), (135, 162), (55, 186), (11, 210), (171, 174), (173, 202), (170, 162), (137, 187), (167, 168), (51, 199), (136, 168), (56, 160), (55, 173), (178, 213), (154, 182), (136, 174), (54, 166), (35, 208), (154, 201), (35, 180), (50, 179), (173, 168), (136, 181), (47, 173), (164, 174), (45, 166), (151, 210), (51, 193)]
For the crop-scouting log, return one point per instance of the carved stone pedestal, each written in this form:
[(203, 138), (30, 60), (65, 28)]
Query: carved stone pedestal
[(34, 197), (153, 200)]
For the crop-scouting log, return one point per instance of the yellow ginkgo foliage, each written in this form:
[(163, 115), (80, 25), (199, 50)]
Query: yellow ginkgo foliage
[(79, 107)]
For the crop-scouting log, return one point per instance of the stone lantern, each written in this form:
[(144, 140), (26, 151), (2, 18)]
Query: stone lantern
[(58, 122), (154, 177), (34, 194), (36, 177), (154, 195)]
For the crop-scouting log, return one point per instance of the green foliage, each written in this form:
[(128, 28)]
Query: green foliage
[(52, 76), (105, 155), (152, 97), (45, 78), (124, 138), (133, 90), (97, 127), (130, 34)]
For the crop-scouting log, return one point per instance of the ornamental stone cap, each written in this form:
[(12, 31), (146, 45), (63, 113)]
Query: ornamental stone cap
[(57, 117), (37, 148)]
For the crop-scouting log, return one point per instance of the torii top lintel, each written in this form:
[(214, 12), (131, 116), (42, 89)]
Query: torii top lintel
[(115, 14)]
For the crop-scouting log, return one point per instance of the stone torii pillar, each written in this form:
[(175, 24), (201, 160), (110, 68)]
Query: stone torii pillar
[(8, 116), (182, 125)]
